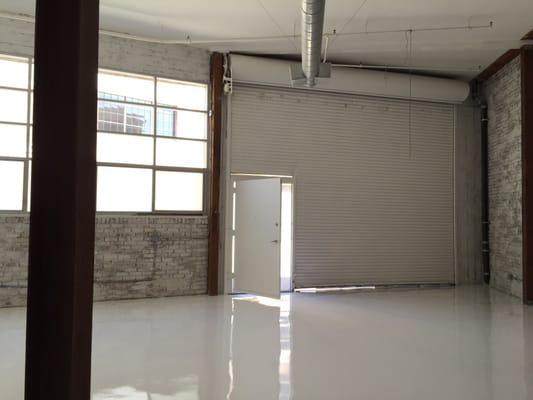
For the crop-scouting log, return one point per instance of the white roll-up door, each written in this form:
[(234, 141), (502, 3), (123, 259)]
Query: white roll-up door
[(373, 181)]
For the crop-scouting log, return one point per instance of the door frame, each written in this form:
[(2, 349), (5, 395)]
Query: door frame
[(228, 226)]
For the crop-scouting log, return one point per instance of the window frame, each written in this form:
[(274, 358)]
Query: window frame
[(206, 172)]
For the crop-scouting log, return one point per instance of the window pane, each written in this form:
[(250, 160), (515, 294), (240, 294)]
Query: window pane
[(14, 72), (125, 87), (31, 108), (13, 106), (167, 122), (30, 144), (183, 124), (12, 183), (124, 118), (192, 125), (183, 95), (179, 191), (181, 153), (119, 148), (124, 189), (12, 140), (29, 187)]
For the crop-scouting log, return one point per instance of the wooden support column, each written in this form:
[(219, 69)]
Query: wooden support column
[(527, 170), (63, 198), (217, 91)]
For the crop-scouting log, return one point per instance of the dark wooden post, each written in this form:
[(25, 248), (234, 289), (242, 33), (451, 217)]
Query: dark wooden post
[(217, 91), (527, 170), (63, 198)]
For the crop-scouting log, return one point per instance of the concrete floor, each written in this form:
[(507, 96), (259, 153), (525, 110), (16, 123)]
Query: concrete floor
[(466, 344)]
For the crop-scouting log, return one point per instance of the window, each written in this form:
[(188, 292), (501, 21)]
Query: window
[(15, 129), (152, 141), (152, 144)]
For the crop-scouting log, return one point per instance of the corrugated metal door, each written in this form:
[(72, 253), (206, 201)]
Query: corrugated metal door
[(373, 181)]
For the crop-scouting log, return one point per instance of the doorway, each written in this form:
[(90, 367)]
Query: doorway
[(286, 255), (261, 235)]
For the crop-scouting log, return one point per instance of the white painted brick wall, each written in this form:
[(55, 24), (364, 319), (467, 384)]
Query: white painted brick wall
[(135, 256), (502, 92), (170, 61)]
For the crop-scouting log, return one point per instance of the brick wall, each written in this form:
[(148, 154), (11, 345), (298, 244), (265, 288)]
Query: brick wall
[(14, 231), (502, 93), (136, 256)]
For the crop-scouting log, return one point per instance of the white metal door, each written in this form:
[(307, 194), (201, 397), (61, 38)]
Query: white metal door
[(257, 237)]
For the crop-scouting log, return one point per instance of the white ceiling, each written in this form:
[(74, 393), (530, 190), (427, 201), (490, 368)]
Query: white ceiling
[(456, 53)]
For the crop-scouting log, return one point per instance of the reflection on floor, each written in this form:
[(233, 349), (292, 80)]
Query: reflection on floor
[(465, 343)]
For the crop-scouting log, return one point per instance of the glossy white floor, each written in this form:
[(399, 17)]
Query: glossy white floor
[(465, 344)]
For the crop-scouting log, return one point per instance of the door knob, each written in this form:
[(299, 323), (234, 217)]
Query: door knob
[(275, 241)]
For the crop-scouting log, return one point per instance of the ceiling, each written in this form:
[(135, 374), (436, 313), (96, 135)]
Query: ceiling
[(460, 53)]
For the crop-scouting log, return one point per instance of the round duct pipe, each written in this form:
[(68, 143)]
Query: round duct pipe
[(312, 29)]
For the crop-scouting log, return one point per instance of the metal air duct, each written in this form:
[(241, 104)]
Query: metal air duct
[(312, 31)]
